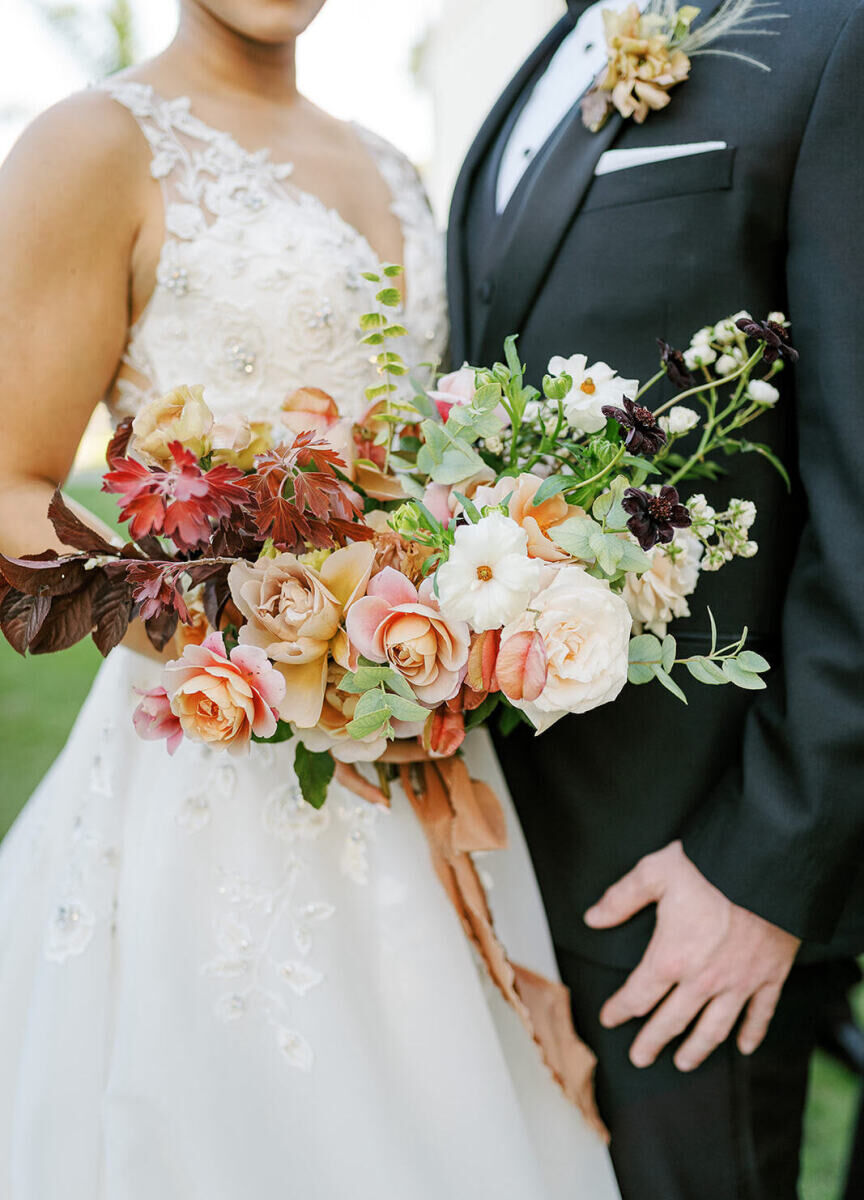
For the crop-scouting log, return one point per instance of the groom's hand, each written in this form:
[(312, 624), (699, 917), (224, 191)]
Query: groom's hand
[(707, 956)]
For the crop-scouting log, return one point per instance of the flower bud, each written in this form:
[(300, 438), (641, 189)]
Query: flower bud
[(679, 420), (762, 393)]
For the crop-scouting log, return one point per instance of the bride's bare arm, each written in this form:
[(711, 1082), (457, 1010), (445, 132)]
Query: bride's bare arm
[(70, 214)]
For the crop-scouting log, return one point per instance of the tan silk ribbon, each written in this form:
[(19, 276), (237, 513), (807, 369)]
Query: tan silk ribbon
[(459, 816)]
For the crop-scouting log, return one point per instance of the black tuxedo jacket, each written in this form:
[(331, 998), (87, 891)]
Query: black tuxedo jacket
[(767, 789)]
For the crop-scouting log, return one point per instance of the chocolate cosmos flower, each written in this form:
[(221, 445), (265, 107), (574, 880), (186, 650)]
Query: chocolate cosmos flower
[(654, 519), (676, 368), (644, 435), (775, 337)]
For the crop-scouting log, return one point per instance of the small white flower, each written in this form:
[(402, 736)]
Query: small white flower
[(703, 337), (702, 515), (763, 393), (726, 332), (727, 365), (778, 318), (593, 388), (700, 355), (742, 513), (488, 578), (749, 550), (679, 420), (494, 445), (714, 559)]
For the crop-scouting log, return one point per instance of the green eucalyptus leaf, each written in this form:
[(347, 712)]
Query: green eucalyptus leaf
[(668, 652), (553, 486), (669, 684), (704, 670), (406, 710), (741, 678), (645, 648), (640, 673), (751, 661), (574, 536)]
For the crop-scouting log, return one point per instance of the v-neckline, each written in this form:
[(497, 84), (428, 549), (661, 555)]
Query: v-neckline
[(263, 156)]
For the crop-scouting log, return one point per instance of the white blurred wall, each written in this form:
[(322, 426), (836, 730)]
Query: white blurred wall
[(472, 51)]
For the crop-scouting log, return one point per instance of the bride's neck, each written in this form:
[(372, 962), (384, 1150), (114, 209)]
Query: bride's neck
[(216, 57)]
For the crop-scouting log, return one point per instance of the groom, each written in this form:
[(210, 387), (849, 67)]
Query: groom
[(694, 860)]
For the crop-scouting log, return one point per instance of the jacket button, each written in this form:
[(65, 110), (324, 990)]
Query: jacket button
[(485, 291)]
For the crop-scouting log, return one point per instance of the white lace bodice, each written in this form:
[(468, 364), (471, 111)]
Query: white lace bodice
[(259, 285)]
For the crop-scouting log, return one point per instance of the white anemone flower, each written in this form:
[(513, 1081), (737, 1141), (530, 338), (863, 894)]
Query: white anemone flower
[(593, 388), (488, 579)]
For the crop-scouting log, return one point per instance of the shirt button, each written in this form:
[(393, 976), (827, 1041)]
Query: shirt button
[(485, 291)]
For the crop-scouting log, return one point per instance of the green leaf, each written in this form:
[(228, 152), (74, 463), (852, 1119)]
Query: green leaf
[(645, 649), (607, 549), (704, 670), (382, 389), (510, 718), (389, 297), (395, 331), (640, 673), (486, 398), (314, 772), (284, 733), (371, 321), (373, 339), (395, 369), (640, 464), (669, 684), (713, 630), (366, 678), (513, 360), (377, 721), (482, 712), (755, 663), (668, 651), (602, 505), (741, 678), (470, 507), (392, 270), (553, 486), (424, 406), (372, 277), (634, 560), (574, 536), (406, 710)]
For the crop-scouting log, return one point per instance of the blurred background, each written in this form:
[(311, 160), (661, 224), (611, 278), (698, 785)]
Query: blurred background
[(446, 61)]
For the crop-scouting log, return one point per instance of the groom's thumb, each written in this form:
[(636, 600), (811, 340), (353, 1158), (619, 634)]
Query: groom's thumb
[(622, 900)]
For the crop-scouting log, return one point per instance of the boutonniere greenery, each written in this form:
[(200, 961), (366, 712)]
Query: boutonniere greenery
[(649, 53)]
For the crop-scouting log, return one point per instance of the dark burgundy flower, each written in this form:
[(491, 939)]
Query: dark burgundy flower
[(654, 519), (775, 337), (644, 435), (676, 368)]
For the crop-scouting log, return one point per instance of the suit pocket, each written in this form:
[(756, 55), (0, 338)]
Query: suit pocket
[(709, 172)]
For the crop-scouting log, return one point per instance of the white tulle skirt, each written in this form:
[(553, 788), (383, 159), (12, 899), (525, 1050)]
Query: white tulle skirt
[(211, 992)]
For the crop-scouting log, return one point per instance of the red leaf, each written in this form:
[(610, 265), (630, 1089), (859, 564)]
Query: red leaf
[(69, 621), (112, 612), (72, 531), (119, 442), (160, 629), (48, 573), (21, 617)]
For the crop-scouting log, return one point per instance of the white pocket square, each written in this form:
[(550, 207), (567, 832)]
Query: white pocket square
[(621, 160)]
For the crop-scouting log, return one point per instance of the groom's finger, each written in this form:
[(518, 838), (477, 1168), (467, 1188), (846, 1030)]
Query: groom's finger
[(760, 1012), (633, 892), (671, 1020), (642, 992), (712, 1030)]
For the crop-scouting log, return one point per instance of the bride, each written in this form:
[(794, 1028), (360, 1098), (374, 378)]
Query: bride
[(208, 989)]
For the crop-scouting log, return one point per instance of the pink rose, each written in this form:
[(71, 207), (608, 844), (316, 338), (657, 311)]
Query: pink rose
[(223, 699), (456, 388), (397, 625), (154, 720)]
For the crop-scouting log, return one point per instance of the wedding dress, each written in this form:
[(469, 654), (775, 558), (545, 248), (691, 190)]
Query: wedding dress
[(208, 990)]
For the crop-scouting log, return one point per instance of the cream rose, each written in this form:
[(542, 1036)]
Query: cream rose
[(331, 732), (585, 629), (535, 521), (294, 613), (660, 595), (181, 416)]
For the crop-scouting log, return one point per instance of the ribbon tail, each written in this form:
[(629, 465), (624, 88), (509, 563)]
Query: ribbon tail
[(460, 815)]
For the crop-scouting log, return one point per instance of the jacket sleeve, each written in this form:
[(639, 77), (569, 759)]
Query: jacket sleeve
[(783, 834)]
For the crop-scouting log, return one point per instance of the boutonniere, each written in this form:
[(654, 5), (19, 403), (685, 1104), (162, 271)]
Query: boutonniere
[(649, 53)]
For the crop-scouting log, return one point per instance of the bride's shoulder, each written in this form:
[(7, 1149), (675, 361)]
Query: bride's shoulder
[(82, 155)]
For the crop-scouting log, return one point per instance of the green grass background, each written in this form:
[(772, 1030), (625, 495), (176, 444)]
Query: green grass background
[(39, 698)]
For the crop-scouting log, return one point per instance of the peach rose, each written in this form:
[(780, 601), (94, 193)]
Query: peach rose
[(311, 409), (535, 521), (397, 625), (294, 612), (585, 629), (223, 699), (181, 416)]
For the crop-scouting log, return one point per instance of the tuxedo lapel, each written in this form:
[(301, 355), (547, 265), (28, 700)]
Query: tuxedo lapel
[(483, 143), (538, 218)]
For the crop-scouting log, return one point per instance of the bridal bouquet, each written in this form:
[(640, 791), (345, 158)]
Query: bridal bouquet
[(472, 544)]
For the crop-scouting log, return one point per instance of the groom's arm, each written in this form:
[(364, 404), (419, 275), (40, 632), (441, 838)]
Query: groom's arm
[(785, 836)]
